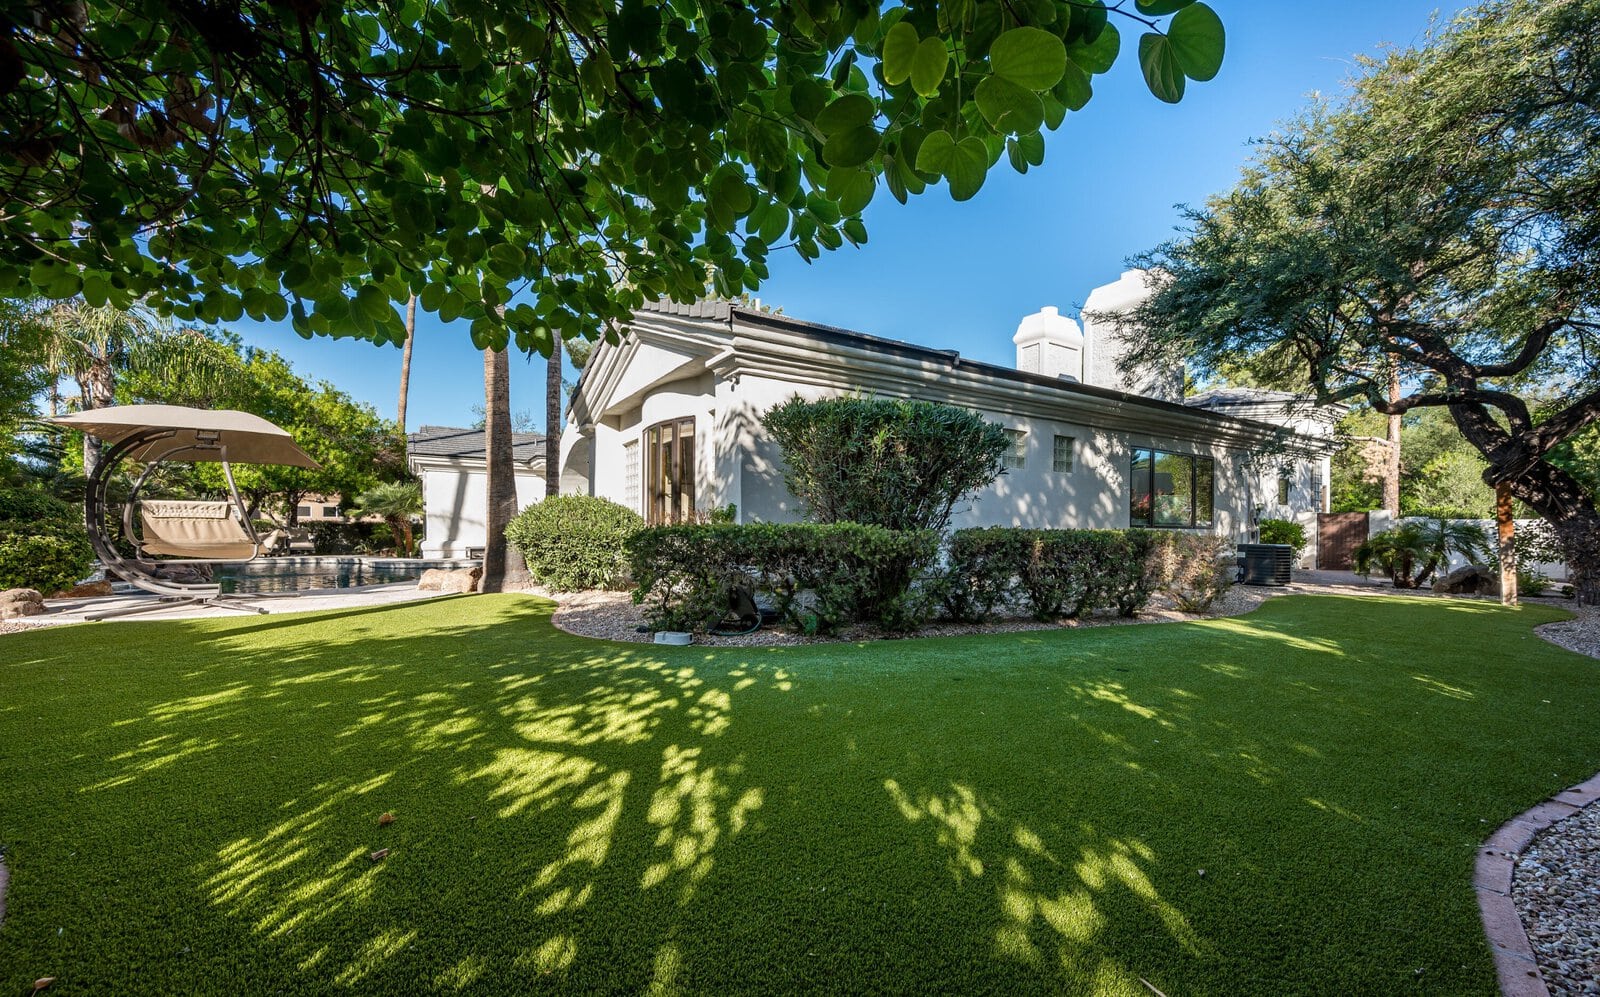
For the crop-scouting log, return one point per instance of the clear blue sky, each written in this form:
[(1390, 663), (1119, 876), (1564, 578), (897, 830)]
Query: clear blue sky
[(960, 276)]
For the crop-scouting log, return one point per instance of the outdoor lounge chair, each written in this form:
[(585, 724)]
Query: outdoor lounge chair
[(173, 533)]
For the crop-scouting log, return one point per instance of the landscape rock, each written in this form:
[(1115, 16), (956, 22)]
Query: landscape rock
[(20, 602), (88, 590), (448, 580), (1470, 579)]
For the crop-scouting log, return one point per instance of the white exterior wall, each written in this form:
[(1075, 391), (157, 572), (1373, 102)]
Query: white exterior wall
[(455, 497), (738, 463)]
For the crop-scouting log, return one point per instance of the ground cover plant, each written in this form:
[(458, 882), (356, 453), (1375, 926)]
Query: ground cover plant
[(192, 807)]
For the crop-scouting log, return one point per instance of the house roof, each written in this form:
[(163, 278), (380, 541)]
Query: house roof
[(468, 444)]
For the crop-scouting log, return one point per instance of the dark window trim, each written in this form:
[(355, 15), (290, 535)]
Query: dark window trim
[(680, 485), (1149, 522)]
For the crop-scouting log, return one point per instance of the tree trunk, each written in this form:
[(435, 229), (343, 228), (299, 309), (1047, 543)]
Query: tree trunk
[(98, 386), (1570, 511), (1505, 540), (405, 368), (503, 566), (1391, 457), (552, 421)]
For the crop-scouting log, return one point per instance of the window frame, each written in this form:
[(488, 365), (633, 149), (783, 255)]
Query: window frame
[(1016, 458), (677, 503), (1195, 462), (1055, 454)]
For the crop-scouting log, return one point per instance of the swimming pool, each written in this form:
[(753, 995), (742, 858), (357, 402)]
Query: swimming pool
[(300, 574)]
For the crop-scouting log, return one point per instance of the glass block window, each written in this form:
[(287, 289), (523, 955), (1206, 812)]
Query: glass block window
[(1062, 459), (630, 474), (1017, 456)]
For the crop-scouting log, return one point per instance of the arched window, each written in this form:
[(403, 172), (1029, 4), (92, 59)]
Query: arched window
[(669, 471)]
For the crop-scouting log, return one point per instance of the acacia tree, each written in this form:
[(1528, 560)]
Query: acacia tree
[(1442, 224)]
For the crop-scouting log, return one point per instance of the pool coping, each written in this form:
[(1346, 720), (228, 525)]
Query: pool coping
[(1496, 863)]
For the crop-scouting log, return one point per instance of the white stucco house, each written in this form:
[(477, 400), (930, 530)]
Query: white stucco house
[(668, 421), (450, 463)]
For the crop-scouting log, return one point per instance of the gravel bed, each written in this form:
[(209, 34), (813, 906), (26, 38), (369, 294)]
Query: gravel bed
[(13, 627), (1556, 889), (1580, 634)]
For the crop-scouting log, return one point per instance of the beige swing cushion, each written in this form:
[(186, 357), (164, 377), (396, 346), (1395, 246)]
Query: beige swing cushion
[(174, 528)]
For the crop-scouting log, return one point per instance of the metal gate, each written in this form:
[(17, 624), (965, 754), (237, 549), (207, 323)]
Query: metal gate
[(1338, 535)]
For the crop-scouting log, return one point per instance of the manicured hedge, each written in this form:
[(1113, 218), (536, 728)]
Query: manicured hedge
[(1066, 573), (1284, 531), (819, 577), (574, 542)]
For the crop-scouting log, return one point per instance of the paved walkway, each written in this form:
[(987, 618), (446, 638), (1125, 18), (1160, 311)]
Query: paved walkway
[(73, 610)]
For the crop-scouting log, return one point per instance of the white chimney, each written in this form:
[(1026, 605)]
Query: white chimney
[(1106, 348), (1051, 344)]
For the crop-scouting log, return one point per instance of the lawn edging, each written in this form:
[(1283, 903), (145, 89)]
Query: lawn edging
[(1514, 960)]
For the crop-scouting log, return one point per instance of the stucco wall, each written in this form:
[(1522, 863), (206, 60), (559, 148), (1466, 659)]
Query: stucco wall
[(455, 498)]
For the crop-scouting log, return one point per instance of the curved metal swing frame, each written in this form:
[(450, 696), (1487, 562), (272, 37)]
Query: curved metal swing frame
[(142, 571)]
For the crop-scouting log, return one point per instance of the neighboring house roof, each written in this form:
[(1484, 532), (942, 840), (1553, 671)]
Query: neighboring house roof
[(754, 341), (453, 444)]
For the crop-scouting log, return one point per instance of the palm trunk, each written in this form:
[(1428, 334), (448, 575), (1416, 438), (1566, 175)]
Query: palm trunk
[(98, 386), (503, 566), (405, 367), (1391, 462), (552, 421)]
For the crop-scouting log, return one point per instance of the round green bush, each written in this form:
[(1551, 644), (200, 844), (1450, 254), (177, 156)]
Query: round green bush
[(50, 556), (575, 542), (29, 505), (1283, 531)]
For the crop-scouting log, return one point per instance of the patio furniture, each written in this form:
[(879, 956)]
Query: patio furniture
[(166, 535)]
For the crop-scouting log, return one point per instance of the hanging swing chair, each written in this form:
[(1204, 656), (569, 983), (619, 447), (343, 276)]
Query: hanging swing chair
[(165, 533)]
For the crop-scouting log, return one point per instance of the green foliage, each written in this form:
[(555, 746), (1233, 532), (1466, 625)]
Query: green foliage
[(1411, 552), (31, 505), (902, 465), (1056, 573), (574, 542), (818, 577), (505, 162), (348, 538), (1195, 569), (1435, 226), (398, 502), (50, 555), (1284, 531)]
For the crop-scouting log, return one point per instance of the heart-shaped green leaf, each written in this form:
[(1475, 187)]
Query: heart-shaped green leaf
[(1099, 55), (935, 153), (1160, 65), (1008, 107), (928, 66), (850, 111), (851, 148), (1074, 90), (899, 48), (1029, 57), (969, 165), (1198, 40)]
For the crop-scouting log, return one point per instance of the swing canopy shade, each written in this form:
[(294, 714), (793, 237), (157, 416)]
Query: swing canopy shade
[(195, 434)]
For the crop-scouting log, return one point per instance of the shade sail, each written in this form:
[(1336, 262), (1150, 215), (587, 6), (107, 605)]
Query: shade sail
[(248, 439)]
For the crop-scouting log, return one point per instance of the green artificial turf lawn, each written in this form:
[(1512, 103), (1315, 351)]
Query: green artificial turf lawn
[(189, 807)]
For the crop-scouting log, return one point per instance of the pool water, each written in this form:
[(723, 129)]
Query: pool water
[(300, 574)]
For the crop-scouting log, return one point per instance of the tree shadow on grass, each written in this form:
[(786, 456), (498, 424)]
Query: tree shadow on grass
[(1017, 813)]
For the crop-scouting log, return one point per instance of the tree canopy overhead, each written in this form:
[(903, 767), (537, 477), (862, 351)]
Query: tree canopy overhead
[(557, 161), (1442, 220)]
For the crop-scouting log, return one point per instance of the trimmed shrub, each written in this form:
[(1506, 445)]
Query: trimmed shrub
[(30, 505), (902, 465), (1055, 573), (48, 555), (818, 577), (575, 542), (1195, 569), (1284, 531)]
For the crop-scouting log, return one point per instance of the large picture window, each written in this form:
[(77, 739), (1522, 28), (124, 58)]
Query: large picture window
[(669, 473), (1171, 490)]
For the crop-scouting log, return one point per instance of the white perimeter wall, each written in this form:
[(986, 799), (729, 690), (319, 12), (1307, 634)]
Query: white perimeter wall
[(454, 499)]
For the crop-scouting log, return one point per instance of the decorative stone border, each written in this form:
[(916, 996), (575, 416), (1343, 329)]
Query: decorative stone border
[(1513, 955)]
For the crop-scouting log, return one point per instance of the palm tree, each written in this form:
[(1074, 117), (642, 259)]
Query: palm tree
[(1411, 552), (90, 344), (502, 564), (552, 420), (405, 368), (398, 502)]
